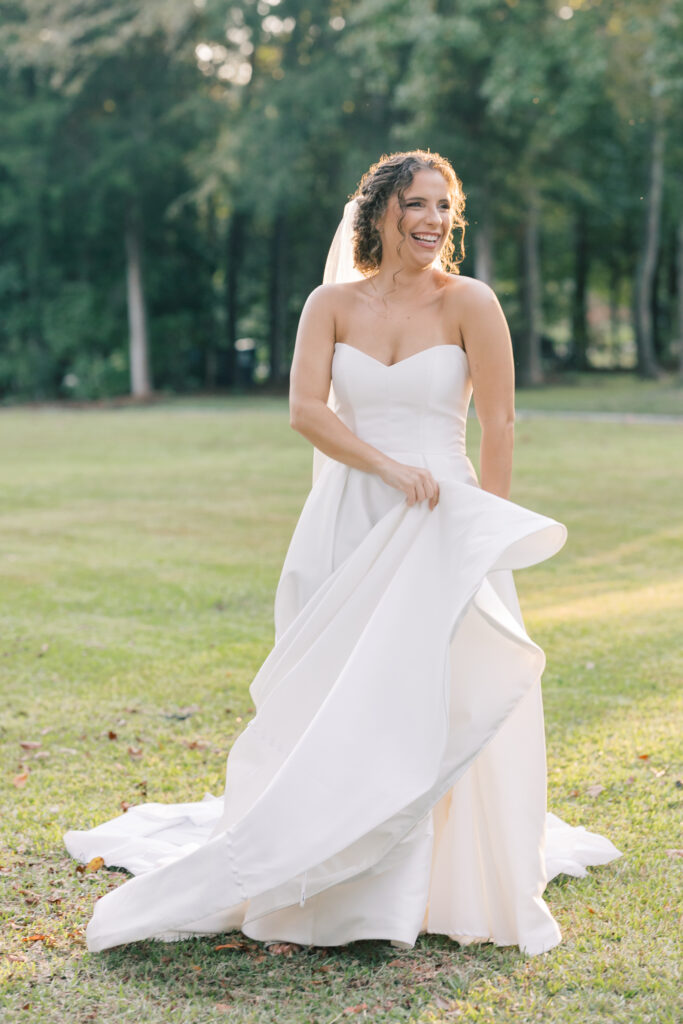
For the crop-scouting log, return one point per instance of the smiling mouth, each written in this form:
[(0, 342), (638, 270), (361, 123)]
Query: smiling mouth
[(427, 239)]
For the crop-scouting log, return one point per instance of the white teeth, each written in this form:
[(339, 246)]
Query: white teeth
[(427, 238)]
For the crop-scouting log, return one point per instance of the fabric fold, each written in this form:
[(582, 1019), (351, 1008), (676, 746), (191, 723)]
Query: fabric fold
[(393, 778), (309, 763)]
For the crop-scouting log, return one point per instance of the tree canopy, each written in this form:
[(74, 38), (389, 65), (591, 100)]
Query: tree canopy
[(171, 173)]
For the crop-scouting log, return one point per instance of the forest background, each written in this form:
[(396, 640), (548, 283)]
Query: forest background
[(172, 172)]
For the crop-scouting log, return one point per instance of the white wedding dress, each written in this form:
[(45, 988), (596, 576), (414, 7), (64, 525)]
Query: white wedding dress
[(393, 778)]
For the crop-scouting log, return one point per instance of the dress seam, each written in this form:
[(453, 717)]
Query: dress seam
[(233, 866)]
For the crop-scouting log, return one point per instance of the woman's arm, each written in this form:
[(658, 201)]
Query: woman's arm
[(489, 353), (309, 387), (309, 414)]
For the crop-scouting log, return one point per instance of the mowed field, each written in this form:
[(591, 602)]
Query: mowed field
[(139, 554)]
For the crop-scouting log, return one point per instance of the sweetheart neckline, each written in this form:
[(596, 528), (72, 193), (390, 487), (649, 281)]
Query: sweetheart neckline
[(390, 366)]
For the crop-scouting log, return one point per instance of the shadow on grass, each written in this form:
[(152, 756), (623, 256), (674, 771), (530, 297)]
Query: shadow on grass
[(312, 985)]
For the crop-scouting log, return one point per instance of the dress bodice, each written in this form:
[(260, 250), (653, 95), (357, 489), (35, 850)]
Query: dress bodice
[(418, 404)]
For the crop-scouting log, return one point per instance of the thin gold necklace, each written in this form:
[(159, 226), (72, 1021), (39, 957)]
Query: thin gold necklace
[(387, 316)]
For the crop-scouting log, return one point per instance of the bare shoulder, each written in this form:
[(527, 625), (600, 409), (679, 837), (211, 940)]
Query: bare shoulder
[(469, 294), (334, 292), (322, 299)]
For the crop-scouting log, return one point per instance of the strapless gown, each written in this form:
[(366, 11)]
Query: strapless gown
[(393, 778)]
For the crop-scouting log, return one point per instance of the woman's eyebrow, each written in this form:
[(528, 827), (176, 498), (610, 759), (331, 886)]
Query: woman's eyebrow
[(444, 199)]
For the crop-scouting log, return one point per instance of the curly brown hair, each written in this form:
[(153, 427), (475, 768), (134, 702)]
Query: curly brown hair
[(394, 174)]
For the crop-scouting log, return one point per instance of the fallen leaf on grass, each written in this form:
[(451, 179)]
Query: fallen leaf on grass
[(223, 1007), (643, 757), (348, 1010), (441, 1003), (30, 744), (20, 780), (230, 945), (47, 939), (196, 744), (125, 806), (56, 898), (674, 853), (658, 772), (93, 865), (135, 752), (111, 735), (16, 958), (195, 967), (395, 963), (594, 790)]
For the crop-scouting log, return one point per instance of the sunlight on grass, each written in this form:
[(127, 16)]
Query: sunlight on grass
[(622, 604), (139, 554)]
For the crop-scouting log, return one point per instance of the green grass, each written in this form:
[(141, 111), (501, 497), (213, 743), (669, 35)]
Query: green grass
[(606, 392), (139, 554)]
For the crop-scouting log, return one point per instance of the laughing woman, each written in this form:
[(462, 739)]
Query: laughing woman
[(393, 778)]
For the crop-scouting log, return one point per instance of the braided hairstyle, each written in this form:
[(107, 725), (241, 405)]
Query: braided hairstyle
[(394, 174)]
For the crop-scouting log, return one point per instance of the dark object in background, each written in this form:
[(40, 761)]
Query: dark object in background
[(245, 363)]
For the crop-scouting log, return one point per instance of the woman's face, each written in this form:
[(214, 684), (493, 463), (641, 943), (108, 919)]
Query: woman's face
[(427, 219)]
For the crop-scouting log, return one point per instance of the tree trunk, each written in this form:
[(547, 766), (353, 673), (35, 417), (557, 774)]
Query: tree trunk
[(235, 255), (647, 264), (278, 302), (671, 292), (483, 241), (614, 292), (213, 330), (658, 309), (140, 380), (679, 294), (529, 365), (580, 338)]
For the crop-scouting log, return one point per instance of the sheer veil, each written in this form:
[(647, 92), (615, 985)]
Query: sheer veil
[(338, 268)]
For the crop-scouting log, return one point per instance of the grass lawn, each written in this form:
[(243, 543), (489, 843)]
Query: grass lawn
[(139, 553), (606, 392)]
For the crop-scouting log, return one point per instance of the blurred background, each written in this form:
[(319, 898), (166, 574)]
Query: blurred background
[(172, 172)]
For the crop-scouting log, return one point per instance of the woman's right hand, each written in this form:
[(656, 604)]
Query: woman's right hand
[(415, 482)]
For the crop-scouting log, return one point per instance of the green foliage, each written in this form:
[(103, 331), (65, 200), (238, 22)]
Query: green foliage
[(184, 117)]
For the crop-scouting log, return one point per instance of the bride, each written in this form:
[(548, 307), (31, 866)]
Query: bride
[(393, 779)]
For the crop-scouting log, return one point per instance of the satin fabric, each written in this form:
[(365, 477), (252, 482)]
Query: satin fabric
[(393, 778)]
